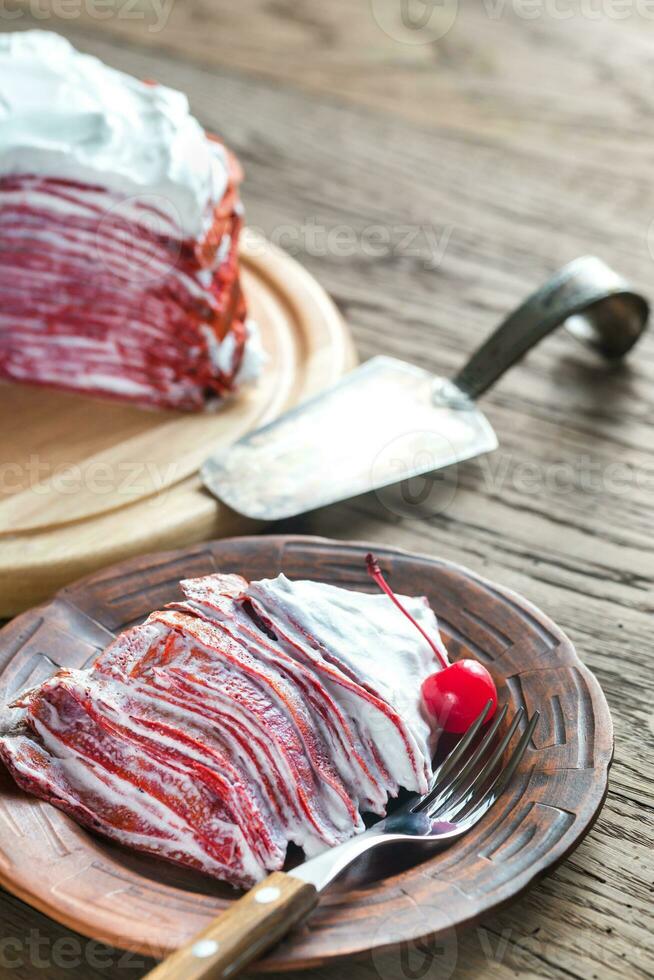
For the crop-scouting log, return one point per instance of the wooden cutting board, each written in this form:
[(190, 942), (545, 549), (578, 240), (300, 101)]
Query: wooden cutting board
[(86, 482)]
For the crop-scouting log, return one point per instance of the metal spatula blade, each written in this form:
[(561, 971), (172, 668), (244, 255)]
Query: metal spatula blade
[(389, 421), (385, 422)]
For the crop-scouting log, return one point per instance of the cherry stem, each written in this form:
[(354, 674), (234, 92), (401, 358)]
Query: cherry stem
[(375, 573)]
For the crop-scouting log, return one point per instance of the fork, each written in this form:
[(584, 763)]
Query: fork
[(462, 790)]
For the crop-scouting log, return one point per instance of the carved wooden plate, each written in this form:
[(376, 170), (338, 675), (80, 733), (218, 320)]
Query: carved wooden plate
[(140, 903)]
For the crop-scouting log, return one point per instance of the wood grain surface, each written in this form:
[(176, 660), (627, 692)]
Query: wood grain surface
[(508, 146), (398, 898)]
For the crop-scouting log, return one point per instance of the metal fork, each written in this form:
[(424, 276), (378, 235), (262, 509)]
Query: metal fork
[(463, 788)]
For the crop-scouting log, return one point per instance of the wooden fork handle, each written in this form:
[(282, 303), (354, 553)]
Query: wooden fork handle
[(243, 932)]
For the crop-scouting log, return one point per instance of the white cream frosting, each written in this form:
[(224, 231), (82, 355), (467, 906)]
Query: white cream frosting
[(373, 639), (66, 114)]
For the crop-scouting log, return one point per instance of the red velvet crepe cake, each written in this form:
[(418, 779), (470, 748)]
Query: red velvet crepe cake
[(235, 721), (119, 227)]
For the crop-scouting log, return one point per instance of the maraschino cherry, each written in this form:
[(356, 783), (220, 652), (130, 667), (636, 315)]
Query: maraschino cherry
[(456, 695)]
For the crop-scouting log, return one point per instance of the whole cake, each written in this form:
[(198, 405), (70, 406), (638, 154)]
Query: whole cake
[(119, 227)]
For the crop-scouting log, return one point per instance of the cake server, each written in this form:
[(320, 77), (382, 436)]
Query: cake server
[(464, 787), (388, 421)]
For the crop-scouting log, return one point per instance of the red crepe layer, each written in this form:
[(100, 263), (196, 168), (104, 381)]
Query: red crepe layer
[(100, 294)]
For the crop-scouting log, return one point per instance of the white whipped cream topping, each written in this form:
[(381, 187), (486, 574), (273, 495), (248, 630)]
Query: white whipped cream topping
[(370, 635), (254, 355), (65, 114), (222, 353)]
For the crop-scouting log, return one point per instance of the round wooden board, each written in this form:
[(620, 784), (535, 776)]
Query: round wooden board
[(139, 903), (86, 482)]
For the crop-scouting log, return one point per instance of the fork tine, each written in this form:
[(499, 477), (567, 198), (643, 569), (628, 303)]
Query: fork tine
[(461, 789), (461, 777), (450, 760), (500, 781)]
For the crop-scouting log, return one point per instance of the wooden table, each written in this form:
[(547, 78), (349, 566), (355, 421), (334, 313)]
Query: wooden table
[(430, 177)]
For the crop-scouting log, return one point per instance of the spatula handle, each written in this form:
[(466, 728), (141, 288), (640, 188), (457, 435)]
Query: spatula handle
[(596, 305), (243, 932)]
